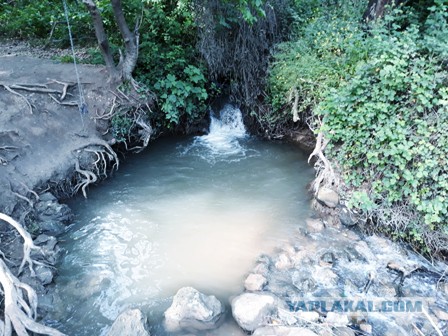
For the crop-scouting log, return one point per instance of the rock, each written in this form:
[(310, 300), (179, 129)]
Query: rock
[(336, 319), (327, 259), (363, 249), (192, 309), (367, 328), (283, 262), (347, 218), (252, 311), (328, 197), (255, 282), (283, 331), (52, 227), (131, 323), (343, 331), (325, 277), (261, 268), (314, 225), (44, 274), (441, 315), (311, 316), (51, 215), (303, 281)]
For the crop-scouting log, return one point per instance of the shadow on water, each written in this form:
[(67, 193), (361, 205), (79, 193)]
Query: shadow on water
[(187, 212)]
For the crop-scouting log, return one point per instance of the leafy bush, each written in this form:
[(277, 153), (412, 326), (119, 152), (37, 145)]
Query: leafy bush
[(183, 96), (391, 123), (328, 45)]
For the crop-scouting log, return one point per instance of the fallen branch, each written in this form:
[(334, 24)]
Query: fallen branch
[(432, 322), (37, 89), (72, 103)]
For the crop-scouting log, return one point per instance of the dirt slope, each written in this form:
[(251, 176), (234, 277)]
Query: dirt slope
[(39, 148)]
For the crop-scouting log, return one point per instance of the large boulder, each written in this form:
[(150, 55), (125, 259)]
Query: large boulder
[(328, 197), (193, 310), (251, 310), (131, 323), (283, 331)]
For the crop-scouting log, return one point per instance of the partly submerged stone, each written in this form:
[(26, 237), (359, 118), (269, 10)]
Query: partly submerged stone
[(193, 310), (283, 331), (255, 282), (253, 310), (132, 322)]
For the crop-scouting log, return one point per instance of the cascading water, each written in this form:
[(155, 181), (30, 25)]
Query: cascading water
[(223, 142), (187, 212)]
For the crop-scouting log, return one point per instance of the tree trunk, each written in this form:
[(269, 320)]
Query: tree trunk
[(376, 8), (102, 39), (131, 41)]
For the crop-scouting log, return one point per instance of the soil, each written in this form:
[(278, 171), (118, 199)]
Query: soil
[(39, 146)]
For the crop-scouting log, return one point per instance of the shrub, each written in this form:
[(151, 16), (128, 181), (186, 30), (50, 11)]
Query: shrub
[(390, 121)]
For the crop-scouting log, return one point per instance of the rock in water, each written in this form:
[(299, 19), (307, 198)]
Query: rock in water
[(283, 331), (193, 310), (252, 311), (328, 197), (255, 282), (131, 323)]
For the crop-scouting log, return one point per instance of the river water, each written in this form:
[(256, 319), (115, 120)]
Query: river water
[(186, 212)]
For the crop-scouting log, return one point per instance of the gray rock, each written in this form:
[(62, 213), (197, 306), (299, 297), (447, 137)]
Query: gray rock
[(193, 310), (44, 274), (441, 315), (314, 225), (255, 282), (252, 311), (328, 197), (327, 259), (130, 323), (283, 262), (336, 319), (283, 331), (367, 328), (347, 218), (343, 331)]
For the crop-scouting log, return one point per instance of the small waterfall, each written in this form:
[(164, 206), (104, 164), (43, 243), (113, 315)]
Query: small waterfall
[(223, 142)]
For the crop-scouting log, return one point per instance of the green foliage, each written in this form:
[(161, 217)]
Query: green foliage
[(381, 92), (183, 96), (391, 121), (122, 125), (329, 44), (168, 62)]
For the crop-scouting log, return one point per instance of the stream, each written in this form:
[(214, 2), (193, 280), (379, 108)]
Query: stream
[(190, 211)]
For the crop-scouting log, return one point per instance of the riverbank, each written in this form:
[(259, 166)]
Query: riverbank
[(48, 151)]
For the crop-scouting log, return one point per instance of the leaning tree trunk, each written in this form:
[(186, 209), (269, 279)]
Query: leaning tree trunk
[(131, 41), (122, 71), (376, 8), (101, 37)]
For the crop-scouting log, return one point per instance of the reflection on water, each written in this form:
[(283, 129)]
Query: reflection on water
[(172, 218)]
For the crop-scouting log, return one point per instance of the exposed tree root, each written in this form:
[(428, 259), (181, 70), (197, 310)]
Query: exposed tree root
[(326, 176), (102, 151), (20, 95), (20, 300)]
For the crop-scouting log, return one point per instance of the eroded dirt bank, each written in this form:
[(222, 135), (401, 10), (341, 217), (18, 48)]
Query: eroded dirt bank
[(48, 150), (41, 140)]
